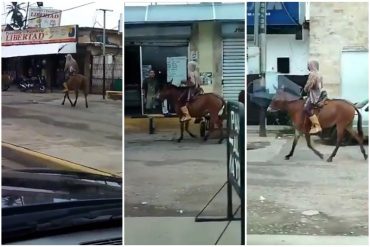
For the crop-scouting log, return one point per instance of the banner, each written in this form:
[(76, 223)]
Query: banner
[(42, 18), (176, 69), (61, 34)]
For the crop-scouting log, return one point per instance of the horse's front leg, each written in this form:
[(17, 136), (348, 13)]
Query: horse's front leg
[(297, 135), (187, 129), (181, 131), (309, 145), (64, 99)]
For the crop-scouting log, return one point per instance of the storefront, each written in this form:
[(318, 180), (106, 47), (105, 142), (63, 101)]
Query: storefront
[(154, 48), (212, 34), (38, 51)]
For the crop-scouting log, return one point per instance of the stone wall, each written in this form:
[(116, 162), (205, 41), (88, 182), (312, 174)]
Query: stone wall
[(334, 26)]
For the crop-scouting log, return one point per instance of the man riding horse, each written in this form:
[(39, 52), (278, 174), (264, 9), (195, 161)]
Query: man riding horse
[(193, 87), (71, 68), (313, 89)]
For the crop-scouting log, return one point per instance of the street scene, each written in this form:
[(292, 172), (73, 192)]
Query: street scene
[(61, 122), (170, 177), (307, 179)]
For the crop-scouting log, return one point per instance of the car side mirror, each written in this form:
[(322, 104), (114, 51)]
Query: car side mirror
[(367, 109)]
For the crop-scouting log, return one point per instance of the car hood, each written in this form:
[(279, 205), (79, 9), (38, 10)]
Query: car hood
[(46, 186)]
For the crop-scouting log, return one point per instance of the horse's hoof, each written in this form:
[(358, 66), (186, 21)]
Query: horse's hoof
[(365, 156), (330, 160), (321, 156), (178, 140), (287, 157)]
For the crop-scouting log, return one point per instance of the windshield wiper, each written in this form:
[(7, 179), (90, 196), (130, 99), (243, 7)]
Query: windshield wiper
[(114, 178), (20, 223)]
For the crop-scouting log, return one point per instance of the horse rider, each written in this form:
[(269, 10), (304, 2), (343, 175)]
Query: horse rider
[(71, 67), (192, 84), (313, 89)]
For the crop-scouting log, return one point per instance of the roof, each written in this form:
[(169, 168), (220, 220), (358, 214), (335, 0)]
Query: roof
[(184, 13)]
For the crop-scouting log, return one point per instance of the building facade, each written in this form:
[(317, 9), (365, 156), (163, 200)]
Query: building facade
[(339, 41), (43, 51)]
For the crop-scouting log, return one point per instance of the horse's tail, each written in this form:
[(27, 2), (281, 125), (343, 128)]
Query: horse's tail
[(359, 123)]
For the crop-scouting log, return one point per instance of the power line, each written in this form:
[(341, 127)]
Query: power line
[(61, 11)]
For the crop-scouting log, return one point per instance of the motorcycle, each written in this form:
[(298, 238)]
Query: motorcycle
[(35, 84)]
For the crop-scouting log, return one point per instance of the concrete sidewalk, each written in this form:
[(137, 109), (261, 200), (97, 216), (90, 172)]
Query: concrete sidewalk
[(178, 231)]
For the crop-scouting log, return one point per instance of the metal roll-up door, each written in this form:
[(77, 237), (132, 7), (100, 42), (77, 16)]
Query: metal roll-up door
[(233, 66)]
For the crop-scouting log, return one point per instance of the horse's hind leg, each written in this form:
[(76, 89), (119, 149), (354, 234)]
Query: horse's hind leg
[(70, 101), (86, 100), (297, 135), (340, 133), (181, 132), (358, 139), (309, 145), (220, 126), (187, 129), (76, 92)]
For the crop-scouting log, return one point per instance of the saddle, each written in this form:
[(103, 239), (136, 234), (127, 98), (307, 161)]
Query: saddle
[(322, 100)]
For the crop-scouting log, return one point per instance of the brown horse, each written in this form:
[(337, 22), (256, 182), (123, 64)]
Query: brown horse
[(199, 106), (75, 83), (335, 112)]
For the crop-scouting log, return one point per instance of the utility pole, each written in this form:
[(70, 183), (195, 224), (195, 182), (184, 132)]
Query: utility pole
[(26, 19), (260, 40), (104, 11)]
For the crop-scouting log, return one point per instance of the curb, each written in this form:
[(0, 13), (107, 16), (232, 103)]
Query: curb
[(22, 155), (266, 239)]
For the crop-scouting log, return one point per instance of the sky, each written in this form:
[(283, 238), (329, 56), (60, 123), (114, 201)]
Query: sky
[(85, 16)]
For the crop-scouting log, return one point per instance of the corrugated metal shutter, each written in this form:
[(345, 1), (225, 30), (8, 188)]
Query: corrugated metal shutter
[(233, 66)]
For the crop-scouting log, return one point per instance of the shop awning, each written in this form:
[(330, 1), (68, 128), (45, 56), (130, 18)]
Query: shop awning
[(41, 49)]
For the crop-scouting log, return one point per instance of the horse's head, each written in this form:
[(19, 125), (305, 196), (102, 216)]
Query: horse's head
[(279, 101), (164, 91)]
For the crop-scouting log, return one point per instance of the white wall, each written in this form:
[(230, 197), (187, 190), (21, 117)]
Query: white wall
[(285, 45)]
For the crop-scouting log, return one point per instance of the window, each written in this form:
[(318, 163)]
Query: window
[(283, 65)]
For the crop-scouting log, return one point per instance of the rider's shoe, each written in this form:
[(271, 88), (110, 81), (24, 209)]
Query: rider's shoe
[(186, 115), (316, 128), (65, 87)]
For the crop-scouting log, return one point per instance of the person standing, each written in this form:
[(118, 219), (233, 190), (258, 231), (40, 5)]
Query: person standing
[(150, 88)]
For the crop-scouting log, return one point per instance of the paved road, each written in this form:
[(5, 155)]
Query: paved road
[(91, 137), (279, 191), (166, 178), (168, 183)]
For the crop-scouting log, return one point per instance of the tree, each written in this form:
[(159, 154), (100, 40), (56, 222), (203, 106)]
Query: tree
[(16, 11)]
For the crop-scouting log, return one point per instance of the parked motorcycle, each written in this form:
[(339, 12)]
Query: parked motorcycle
[(35, 84)]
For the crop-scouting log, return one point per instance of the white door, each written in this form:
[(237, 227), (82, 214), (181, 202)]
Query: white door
[(354, 75)]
